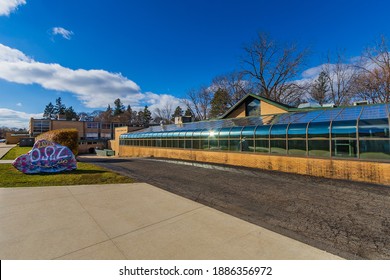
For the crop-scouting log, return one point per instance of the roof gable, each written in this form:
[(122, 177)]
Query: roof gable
[(260, 98)]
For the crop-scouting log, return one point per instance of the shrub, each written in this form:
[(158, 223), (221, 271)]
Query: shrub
[(65, 137)]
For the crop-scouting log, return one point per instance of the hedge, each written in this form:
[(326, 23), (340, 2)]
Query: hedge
[(65, 137)]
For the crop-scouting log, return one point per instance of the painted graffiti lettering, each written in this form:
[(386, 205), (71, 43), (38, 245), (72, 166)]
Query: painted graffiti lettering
[(48, 153), (44, 143), (46, 156)]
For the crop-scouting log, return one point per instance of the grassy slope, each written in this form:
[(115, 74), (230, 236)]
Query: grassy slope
[(15, 152), (86, 173)]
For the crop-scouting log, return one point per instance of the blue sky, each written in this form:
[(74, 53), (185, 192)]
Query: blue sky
[(91, 52)]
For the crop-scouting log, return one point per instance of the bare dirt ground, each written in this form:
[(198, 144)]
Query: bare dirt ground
[(346, 218)]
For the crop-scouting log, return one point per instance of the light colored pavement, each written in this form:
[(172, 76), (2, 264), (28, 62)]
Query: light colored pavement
[(4, 148), (130, 221)]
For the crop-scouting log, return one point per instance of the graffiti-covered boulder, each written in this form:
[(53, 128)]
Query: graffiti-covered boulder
[(46, 157)]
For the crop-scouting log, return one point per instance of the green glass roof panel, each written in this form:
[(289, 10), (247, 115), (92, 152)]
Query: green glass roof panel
[(262, 131), (297, 130), (224, 132), (378, 111), (308, 116), (248, 131), (206, 132), (236, 131), (349, 113), (327, 115), (278, 130), (197, 133)]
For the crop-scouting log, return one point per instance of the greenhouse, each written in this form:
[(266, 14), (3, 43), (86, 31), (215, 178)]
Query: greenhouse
[(360, 132)]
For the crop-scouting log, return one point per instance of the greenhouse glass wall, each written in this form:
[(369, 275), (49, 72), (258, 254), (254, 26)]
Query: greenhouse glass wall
[(360, 132)]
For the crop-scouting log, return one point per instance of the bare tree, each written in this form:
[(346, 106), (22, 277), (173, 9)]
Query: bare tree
[(234, 84), (341, 77), (164, 113), (273, 67), (373, 81), (199, 101)]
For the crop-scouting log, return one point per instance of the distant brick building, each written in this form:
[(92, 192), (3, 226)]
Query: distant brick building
[(92, 134)]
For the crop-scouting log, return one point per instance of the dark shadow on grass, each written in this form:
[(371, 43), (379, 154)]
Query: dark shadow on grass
[(77, 171), (109, 160)]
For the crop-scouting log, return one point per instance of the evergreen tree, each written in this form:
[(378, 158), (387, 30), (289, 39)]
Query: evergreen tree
[(119, 107), (128, 114), (219, 103), (178, 112), (146, 116), (59, 107), (49, 110), (70, 114), (188, 112)]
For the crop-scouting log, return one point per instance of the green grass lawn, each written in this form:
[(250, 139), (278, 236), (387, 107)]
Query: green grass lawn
[(15, 152), (86, 173)]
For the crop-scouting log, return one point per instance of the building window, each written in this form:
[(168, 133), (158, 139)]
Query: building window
[(118, 125), (253, 108), (105, 135), (91, 135), (92, 125), (41, 126), (106, 126)]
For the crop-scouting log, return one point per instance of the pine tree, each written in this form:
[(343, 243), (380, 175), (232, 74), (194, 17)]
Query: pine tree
[(146, 116), (189, 113), (59, 107), (119, 107), (70, 113), (49, 110), (219, 103), (128, 114), (178, 112)]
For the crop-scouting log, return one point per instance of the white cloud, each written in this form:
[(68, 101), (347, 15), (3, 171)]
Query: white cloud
[(94, 88), (312, 73), (66, 34), (8, 6), (19, 104), (12, 55), (18, 119), (161, 101)]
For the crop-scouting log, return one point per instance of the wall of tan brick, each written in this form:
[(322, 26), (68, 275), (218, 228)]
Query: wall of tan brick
[(68, 124), (267, 109), (239, 112), (114, 144), (11, 138), (364, 171)]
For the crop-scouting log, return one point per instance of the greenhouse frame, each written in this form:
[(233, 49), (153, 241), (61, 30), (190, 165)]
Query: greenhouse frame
[(357, 132)]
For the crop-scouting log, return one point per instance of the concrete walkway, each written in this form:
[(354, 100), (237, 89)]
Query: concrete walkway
[(130, 221), (4, 148)]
